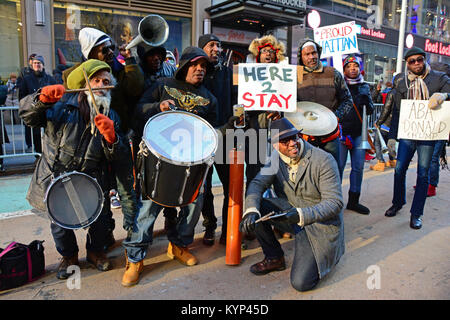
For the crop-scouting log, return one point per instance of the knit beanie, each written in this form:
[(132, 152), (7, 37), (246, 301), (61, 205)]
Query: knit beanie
[(204, 39), (76, 80), (90, 38), (39, 58), (413, 51), (351, 58)]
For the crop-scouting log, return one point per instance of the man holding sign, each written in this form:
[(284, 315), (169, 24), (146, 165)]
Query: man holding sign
[(419, 82)]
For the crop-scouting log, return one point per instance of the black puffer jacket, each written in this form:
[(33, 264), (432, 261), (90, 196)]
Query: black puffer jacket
[(436, 81), (351, 125), (65, 131), (386, 113)]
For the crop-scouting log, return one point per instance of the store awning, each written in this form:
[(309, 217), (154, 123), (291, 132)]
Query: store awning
[(258, 15)]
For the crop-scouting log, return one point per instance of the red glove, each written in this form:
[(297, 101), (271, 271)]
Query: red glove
[(106, 127), (52, 94)]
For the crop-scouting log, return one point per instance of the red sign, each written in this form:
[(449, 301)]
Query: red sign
[(437, 47), (373, 33)]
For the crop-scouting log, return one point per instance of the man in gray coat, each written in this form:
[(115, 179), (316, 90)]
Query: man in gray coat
[(307, 183)]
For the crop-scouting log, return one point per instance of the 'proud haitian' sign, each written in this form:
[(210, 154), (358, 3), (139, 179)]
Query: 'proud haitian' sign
[(267, 87), (337, 39)]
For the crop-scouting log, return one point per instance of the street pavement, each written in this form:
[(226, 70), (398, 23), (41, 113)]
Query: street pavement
[(384, 258)]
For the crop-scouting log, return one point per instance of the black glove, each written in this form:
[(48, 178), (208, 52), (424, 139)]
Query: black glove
[(247, 224), (283, 205)]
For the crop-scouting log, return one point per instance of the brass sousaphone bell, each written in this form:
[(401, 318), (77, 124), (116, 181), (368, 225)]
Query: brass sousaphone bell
[(153, 30)]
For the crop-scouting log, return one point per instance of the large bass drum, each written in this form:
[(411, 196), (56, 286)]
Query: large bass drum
[(74, 200), (182, 147)]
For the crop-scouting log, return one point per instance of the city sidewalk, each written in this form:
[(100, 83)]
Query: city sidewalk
[(411, 264)]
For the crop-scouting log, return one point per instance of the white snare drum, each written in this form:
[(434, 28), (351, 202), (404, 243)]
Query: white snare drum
[(182, 147)]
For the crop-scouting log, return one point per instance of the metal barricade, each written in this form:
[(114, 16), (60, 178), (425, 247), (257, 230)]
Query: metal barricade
[(12, 136), (378, 107)]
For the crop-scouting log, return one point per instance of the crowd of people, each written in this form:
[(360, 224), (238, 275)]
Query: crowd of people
[(100, 133)]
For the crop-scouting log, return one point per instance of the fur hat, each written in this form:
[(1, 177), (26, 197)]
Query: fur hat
[(257, 44)]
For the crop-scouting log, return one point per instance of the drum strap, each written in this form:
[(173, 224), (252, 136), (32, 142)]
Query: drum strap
[(81, 150)]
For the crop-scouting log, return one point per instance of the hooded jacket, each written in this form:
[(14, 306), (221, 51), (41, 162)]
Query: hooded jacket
[(187, 97), (324, 85)]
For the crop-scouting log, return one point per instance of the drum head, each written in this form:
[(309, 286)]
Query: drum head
[(180, 137), (74, 200)]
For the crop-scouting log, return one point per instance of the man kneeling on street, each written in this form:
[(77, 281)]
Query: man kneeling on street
[(306, 181)]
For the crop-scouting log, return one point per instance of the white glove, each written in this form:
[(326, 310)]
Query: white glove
[(436, 100)]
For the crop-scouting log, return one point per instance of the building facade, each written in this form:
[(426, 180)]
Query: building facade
[(50, 27)]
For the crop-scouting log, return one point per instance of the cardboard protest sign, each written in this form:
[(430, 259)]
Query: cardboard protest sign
[(267, 87), (337, 39), (418, 122)]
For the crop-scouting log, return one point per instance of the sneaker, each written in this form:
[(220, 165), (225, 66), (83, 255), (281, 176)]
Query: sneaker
[(115, 203)]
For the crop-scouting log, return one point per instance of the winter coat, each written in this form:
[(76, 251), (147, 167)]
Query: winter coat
[(129, 88), (317, 191), (385, 117), (351, 125), (65, 130), (32, 82)]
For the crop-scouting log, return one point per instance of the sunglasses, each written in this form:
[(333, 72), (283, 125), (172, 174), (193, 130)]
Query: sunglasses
[(286, 141), (413, 61), (105, 49)]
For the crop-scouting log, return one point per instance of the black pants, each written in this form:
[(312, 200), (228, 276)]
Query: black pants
[(209, 218), (304, 272), (66, 242), (36, 138)]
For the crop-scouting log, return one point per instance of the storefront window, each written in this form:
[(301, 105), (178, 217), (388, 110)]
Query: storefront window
[(121, 25), (379, 60), (11, 49)]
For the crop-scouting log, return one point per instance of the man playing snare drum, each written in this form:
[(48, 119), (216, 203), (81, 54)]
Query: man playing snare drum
[(185, 92), (76, 139)]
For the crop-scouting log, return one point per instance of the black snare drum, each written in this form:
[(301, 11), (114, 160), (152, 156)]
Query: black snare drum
[(182, 147), (74, 200)]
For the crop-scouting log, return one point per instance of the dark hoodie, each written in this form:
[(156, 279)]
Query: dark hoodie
[(195, 99), (324, 85), (166, 70)]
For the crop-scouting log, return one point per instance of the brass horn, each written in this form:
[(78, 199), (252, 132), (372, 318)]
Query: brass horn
[(153, 30), (384, 148), (364, 134)]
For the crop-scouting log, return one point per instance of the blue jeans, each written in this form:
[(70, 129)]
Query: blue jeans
[(434, 166), (141, 235), (357, 157), (406, 150)]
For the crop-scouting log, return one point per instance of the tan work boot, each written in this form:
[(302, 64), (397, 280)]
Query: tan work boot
[(181, 254), (392, 163), (132, 272), (65, 263), (379, 166)]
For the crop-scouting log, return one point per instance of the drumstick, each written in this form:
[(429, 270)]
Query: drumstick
[(93, 89), (90, 90)]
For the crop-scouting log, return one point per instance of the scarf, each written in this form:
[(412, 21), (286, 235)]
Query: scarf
[(417, 89), (292, 164), (359, 79)]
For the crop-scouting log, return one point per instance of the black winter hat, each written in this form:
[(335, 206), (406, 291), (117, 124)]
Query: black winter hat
[(204, 39), (413, 51), (189, 54)]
